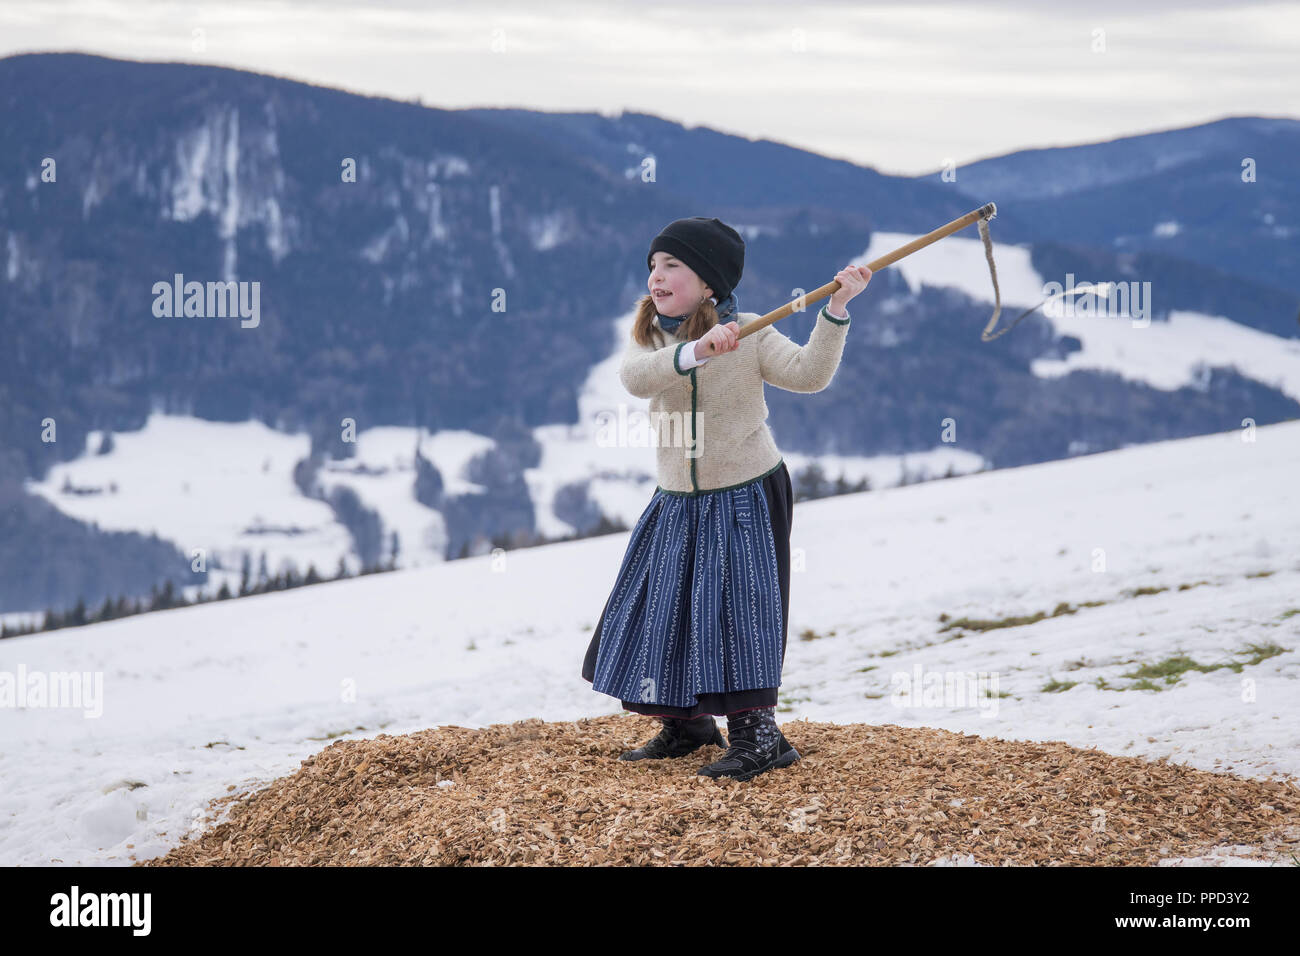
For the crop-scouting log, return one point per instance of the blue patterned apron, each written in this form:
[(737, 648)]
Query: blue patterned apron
[(697, 606)]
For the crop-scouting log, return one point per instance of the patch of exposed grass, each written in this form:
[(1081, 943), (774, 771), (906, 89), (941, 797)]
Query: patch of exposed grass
[(1055, 686), (1291, 613), (869, 667), (337, 733), (808, 634), (982, 624), (987, 624), (1141, 592), (1171, 669), (786, 703), (1194, 584), (1260, 652), (1259, 574)]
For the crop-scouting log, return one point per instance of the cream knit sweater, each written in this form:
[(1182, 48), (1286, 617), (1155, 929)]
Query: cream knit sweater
[(711, 418)]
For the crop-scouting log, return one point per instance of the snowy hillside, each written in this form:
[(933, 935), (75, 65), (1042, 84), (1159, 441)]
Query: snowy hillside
[(1165, 355), (197, 701), (228, 488)]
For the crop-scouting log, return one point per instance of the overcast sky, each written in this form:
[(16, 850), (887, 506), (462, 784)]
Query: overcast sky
[(900, 86)]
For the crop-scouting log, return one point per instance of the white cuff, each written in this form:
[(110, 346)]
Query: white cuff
[(687, 358)]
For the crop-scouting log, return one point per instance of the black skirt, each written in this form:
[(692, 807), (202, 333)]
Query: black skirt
[(780, 501)]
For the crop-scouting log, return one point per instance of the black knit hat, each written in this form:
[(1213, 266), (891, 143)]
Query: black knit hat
[(710, 247)]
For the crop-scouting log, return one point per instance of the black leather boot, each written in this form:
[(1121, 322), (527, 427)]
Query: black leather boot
[(678, 738), (746, 757)]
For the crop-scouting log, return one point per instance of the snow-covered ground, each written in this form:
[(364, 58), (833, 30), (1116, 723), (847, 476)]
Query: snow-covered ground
[(196, 701)]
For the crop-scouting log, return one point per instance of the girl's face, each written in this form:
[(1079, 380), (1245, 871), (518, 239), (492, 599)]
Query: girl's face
[(676, 289)]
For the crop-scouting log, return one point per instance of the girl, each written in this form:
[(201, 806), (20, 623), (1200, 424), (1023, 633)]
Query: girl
[(696, 624)]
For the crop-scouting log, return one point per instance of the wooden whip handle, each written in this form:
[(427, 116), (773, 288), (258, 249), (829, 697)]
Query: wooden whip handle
[(987, 211)]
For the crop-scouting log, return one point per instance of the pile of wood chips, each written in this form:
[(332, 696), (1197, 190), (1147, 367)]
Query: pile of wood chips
[(537, 793)]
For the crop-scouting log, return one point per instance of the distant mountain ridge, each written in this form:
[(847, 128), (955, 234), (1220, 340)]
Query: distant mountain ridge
[(1224, 194)]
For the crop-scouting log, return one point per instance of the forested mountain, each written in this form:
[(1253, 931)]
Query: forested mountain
[(440, 270)]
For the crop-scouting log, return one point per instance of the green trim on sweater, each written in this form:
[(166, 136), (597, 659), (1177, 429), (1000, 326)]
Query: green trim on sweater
[(844, 321), (694, 447), (677, 354)]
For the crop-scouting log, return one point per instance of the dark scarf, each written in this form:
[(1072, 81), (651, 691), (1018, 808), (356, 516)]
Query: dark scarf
[(725, 308)]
